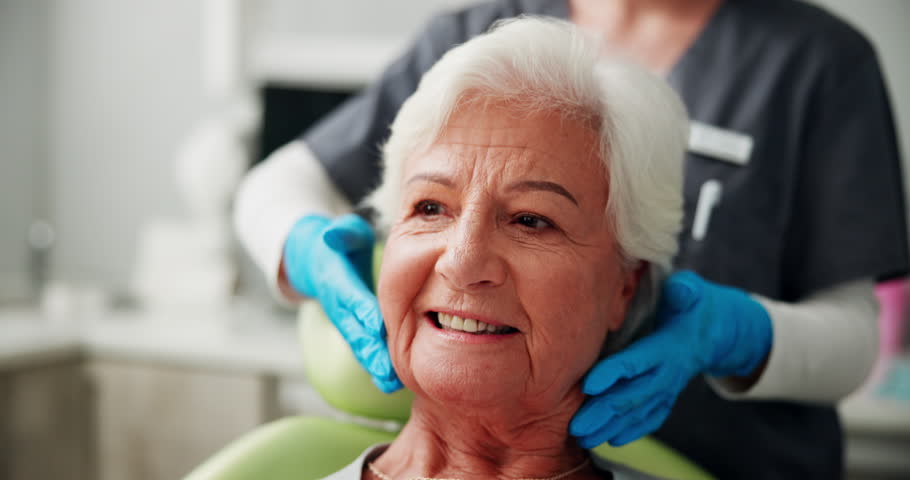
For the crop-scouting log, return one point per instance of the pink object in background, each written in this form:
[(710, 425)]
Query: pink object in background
[(893, 296)]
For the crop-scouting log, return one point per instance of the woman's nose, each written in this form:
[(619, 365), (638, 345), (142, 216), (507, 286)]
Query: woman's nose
[(470, 260)]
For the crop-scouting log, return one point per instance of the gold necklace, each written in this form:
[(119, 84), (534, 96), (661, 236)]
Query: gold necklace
[(582, 465)]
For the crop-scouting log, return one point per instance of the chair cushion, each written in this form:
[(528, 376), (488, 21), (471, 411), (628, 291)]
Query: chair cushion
[(294, 448), (651, 456)]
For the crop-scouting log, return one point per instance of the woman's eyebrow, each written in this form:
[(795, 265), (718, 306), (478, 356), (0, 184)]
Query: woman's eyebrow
[(530, 185), (432, 177)]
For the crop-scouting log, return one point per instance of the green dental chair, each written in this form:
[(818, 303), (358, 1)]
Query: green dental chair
[(303, 447)]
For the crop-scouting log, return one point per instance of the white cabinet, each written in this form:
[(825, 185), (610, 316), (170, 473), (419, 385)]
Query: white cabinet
[(46, 422), (156, 422), (135, 396)]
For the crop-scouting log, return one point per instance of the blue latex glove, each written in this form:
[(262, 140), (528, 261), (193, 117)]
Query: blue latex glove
[(702, 328), (332, 261)]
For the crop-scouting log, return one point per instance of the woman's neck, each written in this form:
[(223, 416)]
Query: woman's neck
[(443, 442), (654, 33)]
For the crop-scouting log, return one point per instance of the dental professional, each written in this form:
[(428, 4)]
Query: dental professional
[(793, 210)]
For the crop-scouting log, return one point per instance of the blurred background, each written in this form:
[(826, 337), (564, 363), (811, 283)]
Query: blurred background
[(135, 337)]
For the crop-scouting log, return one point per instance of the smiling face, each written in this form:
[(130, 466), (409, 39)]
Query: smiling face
[(501, 228)]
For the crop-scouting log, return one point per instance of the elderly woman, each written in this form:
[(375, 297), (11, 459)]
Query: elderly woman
[(532, 199)]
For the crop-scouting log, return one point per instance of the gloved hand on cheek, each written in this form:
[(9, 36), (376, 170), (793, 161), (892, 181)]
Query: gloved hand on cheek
[(331, 261)]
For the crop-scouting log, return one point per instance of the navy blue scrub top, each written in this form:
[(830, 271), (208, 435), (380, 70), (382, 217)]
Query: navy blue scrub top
[(819, 201)]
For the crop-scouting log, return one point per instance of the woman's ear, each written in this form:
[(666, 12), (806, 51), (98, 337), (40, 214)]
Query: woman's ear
[(631, 277)]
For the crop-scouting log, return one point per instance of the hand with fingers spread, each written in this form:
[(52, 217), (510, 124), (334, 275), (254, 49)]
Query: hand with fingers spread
[(702, 328), (332, 261)]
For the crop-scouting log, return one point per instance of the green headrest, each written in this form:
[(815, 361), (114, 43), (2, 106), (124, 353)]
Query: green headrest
[(334, 372)]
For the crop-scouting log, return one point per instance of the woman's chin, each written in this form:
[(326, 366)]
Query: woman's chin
[(466, 379)]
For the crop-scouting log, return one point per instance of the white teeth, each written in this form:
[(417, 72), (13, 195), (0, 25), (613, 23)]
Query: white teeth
[(457, 323), (470, 325), (454, 322)]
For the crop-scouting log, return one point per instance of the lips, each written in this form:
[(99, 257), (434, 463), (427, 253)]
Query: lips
[(451, 322)]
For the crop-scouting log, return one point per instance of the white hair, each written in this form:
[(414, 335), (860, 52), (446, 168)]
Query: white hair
[(537, 64)]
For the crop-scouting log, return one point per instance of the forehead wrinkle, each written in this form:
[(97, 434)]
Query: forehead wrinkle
[(503, 146), (503, 136), (468, 169), (469, 160), (524, 150), (484, 144)]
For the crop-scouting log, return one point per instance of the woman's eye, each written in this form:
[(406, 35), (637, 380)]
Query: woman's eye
[(428, 208), (533, 221)]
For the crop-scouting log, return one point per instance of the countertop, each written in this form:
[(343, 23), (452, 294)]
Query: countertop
[(242, 339)]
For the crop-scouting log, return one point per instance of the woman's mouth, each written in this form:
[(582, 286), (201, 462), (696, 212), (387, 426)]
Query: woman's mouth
[(449, 322)]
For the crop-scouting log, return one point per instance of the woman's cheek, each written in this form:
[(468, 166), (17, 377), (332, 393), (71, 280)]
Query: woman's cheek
[(391, 287), (403, 273), (401, 279), (571, 295)]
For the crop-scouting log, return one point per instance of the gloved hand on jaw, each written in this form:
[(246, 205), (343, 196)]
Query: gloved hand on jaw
[(332, 261), (702, 328)]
